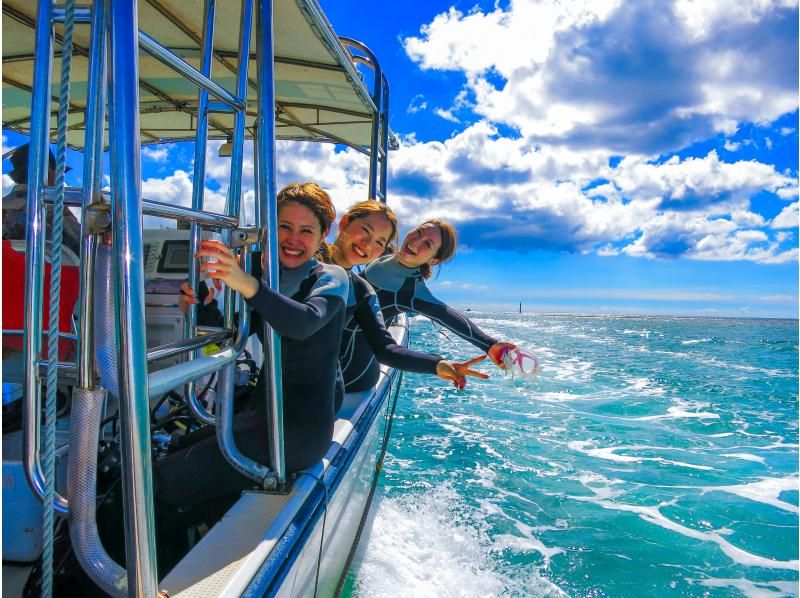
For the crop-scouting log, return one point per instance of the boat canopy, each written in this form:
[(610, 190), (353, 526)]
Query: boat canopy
[(320, 94)]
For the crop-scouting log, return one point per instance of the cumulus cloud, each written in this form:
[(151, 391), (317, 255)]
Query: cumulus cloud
[(446, 114), (157, 153), (732, 146), (417, 104), (176, 189), (8, 183), (788, 218), (511, 194), (600, 96), (628, 77)]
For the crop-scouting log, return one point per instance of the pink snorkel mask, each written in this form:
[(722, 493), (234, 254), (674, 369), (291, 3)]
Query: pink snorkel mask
[(521, 363)]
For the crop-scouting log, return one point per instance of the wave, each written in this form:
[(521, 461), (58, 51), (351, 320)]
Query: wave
[(653, 515), (610, 454), (425, 545)]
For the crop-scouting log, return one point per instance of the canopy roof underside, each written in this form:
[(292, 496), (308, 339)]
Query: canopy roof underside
[(320, 95)]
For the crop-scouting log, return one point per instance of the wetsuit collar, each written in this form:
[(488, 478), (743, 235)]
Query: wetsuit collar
[(291, 278), (393, 265)]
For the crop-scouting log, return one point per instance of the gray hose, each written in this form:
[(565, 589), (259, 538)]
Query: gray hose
[(82, 491), (105, 337), (227, 445)]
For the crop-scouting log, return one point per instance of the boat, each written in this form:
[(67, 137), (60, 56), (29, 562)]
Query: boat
[(153, 72)]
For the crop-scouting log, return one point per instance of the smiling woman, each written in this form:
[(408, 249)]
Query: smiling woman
[(365, 232), (308, 315), (399, 281)]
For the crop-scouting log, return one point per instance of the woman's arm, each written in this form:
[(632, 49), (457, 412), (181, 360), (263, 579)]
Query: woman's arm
[(290, 318), (425, 303), (295, 319), (369, 319)]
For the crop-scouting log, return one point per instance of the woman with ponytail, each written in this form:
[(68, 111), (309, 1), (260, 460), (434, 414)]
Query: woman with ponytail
[(308, 314), (365, 231), (399, 282)]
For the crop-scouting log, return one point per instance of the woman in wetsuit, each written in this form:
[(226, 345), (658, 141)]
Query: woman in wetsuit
[(365, 231), (308, 314), (399, 282)]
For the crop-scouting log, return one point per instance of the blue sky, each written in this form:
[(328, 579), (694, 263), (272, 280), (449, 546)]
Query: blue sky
[(595, 156)]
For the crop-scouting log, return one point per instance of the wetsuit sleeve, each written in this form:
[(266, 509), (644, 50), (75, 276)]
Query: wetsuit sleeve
[(425, 303), (296, 319), (369, 319)]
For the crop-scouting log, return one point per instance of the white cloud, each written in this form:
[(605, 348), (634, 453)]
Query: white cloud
[(788, 218), (446, 114), (700, 18), (698, 182), (157, 153), (8, 183), (732, 146), (176, 189), (417, 104), (508, 193), (623, 76)]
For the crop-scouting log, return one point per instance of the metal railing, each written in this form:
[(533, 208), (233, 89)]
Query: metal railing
[(379, 141)]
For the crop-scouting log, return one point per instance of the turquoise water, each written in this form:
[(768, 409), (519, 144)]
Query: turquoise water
[(650, 457)]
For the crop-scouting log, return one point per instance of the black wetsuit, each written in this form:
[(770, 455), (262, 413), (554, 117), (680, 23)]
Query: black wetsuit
[(365, 321), (310, 325), (400, 289)]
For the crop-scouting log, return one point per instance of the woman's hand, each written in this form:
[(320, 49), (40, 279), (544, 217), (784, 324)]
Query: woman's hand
[(225, 268), (458, 372), (497, 351), (188, 295)]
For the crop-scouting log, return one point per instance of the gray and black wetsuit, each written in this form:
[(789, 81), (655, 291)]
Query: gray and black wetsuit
[(309, 318), (365, 321), (400, 289)]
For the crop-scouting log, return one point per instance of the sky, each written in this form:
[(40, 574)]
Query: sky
[(620, 157)]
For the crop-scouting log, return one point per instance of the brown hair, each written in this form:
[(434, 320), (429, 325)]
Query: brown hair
[(446, 250), (315, 199), (371, 206)]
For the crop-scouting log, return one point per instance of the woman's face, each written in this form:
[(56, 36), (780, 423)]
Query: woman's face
[(299, 234), (420, 246), (362, 239)]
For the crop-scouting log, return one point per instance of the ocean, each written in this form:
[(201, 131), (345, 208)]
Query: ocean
[(651, 456)]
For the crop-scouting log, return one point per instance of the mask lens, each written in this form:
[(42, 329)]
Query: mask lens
[(528, 364)]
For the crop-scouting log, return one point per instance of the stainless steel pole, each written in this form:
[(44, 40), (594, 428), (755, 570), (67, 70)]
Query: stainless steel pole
[(267, 195), (92, 176), (198, 188), (124, 138), (34, 248)]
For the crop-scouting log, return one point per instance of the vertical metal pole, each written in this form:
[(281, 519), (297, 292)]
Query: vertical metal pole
[(92, 175), (384, 154), (198, 189), (233, 202), (267, 195), (237, 154), (129, 294), (34, 247), (374, 151)]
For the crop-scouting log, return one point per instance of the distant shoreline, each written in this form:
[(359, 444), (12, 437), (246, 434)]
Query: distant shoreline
[(631, 316)]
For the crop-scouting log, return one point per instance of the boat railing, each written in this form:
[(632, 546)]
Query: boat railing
[(114, 79), (379, 144)]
